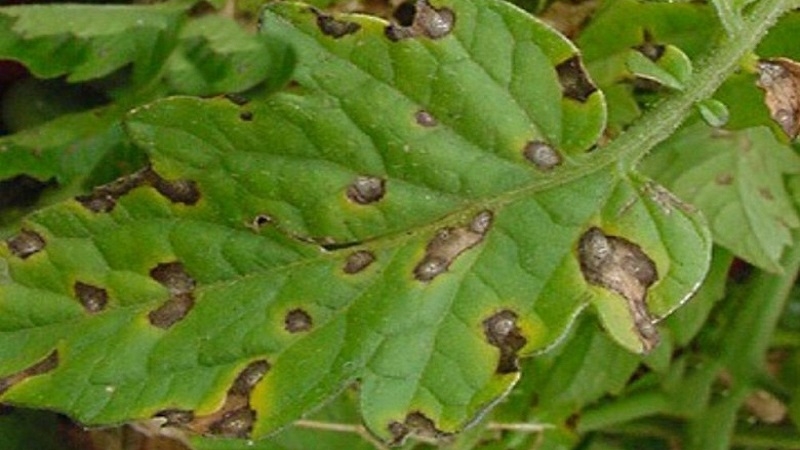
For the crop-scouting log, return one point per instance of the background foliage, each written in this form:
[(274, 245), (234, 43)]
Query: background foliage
[(169, 92)]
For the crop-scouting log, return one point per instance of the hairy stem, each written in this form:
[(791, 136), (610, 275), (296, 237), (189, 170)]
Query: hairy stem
[(665, 118), (660, 122)]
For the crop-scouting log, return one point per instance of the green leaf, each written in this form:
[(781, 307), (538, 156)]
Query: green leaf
[(714, 112), (76, 151), (216, 55), (687, 322), (736, 179), (670, 67), (371, 222), (624, 24), (87, 42), (588, 354)]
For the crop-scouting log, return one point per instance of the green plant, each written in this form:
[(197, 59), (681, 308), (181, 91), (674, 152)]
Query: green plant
[(407, 207)]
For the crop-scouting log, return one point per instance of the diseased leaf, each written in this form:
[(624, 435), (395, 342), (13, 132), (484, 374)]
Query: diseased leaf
[(780, 80), (736, 178), (625, 26), (74, 152), (369, 223)]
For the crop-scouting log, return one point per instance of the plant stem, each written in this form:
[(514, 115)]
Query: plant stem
[(658, 124), (662, 120)]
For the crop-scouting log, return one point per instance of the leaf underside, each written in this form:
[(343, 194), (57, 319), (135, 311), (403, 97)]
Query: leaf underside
[(395, 217)]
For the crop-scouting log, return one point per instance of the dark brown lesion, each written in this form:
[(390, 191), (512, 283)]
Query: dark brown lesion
[(416, 424), (333, 27), (297, 321), (235, 418), (366, 189), (181, 285), (650, 49), (26, 243), (358, 261), (46, 365), (619, 265), (574, 80), (420, 19), (104, 198), (173, 276), (425, 119), (542, 155), (176, 191), (93, 299), (501, 331), (449, 243), (779, 78)]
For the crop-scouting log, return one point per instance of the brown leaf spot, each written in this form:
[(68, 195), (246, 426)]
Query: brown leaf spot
[(358, 261), (249, 377), (246, 116), (425, 118), (619, 265), (417, 424), (172, 311), (421, 19), (568, 17), (766, 194), (174, 277), (482, 222), (366, 189), (780, 80), (237, 99), (237, 423), (297, 321), (46, 365), (177, 191), (104, 198), (666, 199), (575, 83), (25, 244), (263, 220), (93, 298), (333, 27), (234, 418), (175, 417), (449, 243), (543, 156), (502, 332), (724, 179), (650, 49)]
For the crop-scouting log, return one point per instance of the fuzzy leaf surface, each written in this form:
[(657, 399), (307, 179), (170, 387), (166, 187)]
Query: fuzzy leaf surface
[(313, 240)]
